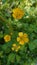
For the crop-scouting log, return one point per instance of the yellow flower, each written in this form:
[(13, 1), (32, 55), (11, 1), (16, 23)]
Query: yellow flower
[(18, 13), (15, 47), (18, 47), (7, 38), (22, 38)]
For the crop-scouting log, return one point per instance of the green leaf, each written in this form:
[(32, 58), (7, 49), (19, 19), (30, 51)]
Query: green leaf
[(33, 45), (11, 57), (1, 53), (1, 35), (6, 48), (18, 58)]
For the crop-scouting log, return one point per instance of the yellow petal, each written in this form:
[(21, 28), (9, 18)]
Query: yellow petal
[(20, 34), (26, 40), (18, 39), (14, 15), (25, 35), (21, 42)]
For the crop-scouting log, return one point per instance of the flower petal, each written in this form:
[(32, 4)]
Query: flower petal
[(18, 39), (26, 40), (21, 42), (20, 34), (25, 35)]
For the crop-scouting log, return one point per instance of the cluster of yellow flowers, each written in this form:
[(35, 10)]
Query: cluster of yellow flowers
[(21, 39), (17, 13)]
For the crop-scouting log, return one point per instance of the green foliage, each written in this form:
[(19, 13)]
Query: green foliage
[(27, 55), (33, 45)]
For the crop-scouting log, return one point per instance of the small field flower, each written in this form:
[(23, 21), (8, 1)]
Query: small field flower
[(18, 13), (15, 47), (22, 38), (7, 38)]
